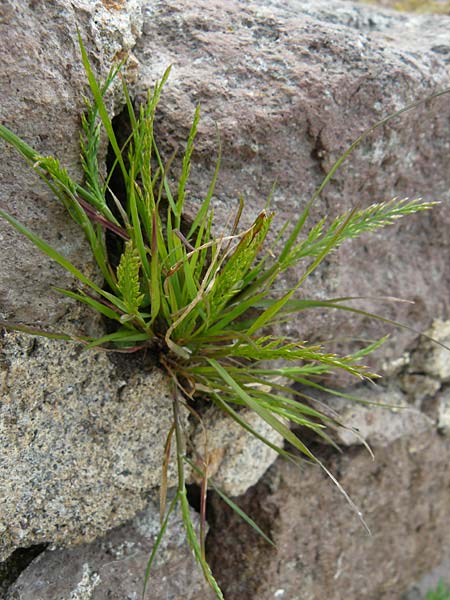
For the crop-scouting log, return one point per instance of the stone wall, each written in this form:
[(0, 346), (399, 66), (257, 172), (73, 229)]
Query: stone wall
[(290, 85)]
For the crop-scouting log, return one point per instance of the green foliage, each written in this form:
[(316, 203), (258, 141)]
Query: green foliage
[(128, 283), (441, 7), (442, 592), (204, 302)]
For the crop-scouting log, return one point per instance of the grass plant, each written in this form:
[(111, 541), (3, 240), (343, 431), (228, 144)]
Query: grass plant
[(203, 302), (442, 592)]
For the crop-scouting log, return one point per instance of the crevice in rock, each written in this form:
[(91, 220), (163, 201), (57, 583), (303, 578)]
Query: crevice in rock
[(18, 561), (148, 357), (122, 130), (230, 538), (317, 533), (117, 191), (193, 496)]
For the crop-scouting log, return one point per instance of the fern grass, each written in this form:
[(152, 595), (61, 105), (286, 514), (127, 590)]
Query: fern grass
[(193, 298)]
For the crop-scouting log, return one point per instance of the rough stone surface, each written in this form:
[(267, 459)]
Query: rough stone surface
[(409, 7), (81, 442), (43, 82), (444, 412), (416, 390), (322, 549), (377, 425), (290, 85), (11, 568), (235, 459), (431, 358), (430, 581), (113, 567)]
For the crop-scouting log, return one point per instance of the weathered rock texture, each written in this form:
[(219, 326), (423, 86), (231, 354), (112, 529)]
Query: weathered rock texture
[(426, 375), (322, 549), (234, 458), (43, 82), (81, 442), (290, 86), (413, 397), (430, 581), (113, 567)]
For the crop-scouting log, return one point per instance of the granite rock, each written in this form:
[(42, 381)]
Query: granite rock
[(433, 358), (81, 441), (113, 567), (444, 412), (235, 458)]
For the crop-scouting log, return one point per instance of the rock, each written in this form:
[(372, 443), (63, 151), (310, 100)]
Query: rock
[(81, 441), (444, 412), (420, 388), (322, 550), (290, 86), (43, 83), (430, 581), (236, 458), (432, 358), (113, 567), (377, 425), (11, 568)]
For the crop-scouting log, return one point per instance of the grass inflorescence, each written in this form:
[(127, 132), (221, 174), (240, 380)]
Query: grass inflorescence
[(205, 303)]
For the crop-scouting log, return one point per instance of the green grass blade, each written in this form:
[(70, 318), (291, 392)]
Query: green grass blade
[(157, 543), (442, 592), (154, 282), (20, 145), (94, 304), (268, 315), (195, 546), (129, 105), (226, 408), (250, 402), (336, 304), (231, 504), (165, 181), (41, 332), (231, 316), (186, 168), (120, 338), (100, 105), (51, 252)]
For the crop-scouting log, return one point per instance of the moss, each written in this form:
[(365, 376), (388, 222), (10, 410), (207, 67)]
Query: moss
[(420, 6)]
